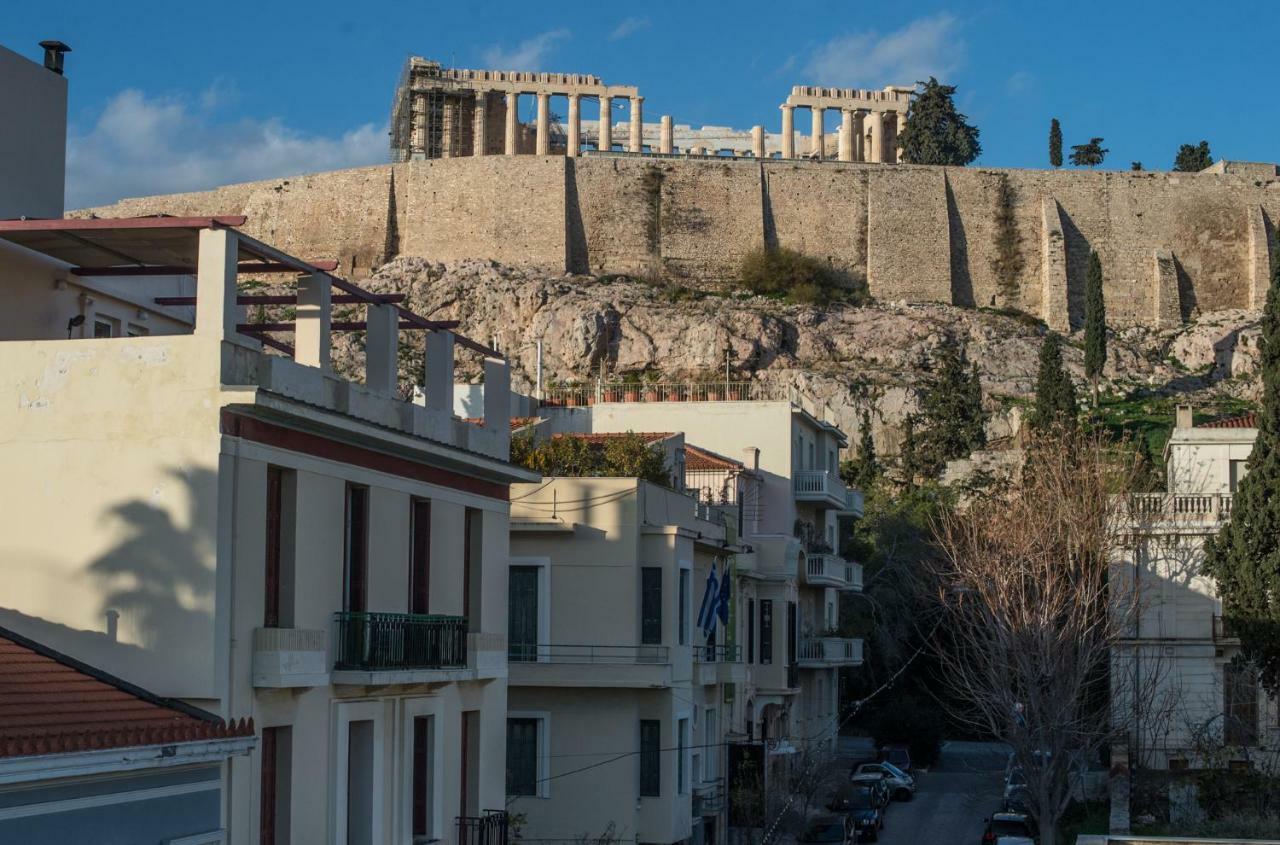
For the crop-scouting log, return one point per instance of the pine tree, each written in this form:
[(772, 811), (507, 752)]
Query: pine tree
[(1055, 143), (1192, 158), (1244, 558), (1055, 392), (1095, 325), (1090, 154), (935, 133), (954, 422)]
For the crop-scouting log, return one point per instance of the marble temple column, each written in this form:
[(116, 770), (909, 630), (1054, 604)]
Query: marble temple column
[(859, 129), (575, 125), (542, 141), (757, 141), (480, 126), (875, 137), (449, 127), (418, 138), (604, 138), (845, 152), (666, 136), (513, 108), (637, 125), (788, 132), (818, 139)]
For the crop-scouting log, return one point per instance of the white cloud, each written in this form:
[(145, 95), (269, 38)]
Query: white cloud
[(1019, 82), (925, 47), (142, 145), (630, 26), (527, 55)]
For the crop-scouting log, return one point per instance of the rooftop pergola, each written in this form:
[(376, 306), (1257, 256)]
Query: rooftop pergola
[(174, 246)]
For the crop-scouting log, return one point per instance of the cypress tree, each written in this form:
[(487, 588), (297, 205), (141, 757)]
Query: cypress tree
[(1055, 392), (1055, 143), (909, 453), (866, 465), (1095, 325), (1244, 558)]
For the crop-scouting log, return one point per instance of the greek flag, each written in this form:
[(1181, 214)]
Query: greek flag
[(710, 600), (722, 606)]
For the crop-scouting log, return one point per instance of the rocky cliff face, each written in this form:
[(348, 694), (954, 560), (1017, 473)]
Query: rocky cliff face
[(850, 357)]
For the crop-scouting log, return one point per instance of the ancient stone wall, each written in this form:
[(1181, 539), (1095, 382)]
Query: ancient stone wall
[(915, 233)]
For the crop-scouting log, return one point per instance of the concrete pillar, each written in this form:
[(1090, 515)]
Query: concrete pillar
[(858, 127), (418, 138), (312, 340), (479, 135), (513, 111), (542, 141), (875, 137), (788, 132), (575, 125), (637, 125), (449, 127), (437, 384), (818, 141), (605, 135), (666, 136), (757, 141), (216, 311), (381, 349), (844, 150), (497, 397)]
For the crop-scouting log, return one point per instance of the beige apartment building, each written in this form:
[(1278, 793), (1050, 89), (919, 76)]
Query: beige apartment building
[(238, 527), (618, 701), (776, 467), (1180, 654)]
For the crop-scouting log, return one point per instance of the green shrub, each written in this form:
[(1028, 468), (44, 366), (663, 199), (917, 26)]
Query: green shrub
[(625, 456), (796, 277)]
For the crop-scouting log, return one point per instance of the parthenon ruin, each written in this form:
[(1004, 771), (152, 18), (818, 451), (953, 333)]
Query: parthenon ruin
[(441, 112)]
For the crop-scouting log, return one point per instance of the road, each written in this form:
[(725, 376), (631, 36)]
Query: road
[(953, 799)]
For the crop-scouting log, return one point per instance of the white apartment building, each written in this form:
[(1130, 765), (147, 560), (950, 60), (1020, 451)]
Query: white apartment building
[(1179, 655), (788, 497), (617, 705), (210, 512)]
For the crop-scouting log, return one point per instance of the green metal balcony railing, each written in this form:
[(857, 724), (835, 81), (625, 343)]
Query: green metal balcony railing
[(390, 641), (716, 654)]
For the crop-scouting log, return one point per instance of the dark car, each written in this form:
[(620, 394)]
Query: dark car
[(1009, 829), (899, 756), (863, 804), (828, 830)]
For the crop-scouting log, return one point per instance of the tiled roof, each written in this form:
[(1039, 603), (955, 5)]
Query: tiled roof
[(50, 703), (648, 437), (521, 422), (697, 458), (1249, 420)]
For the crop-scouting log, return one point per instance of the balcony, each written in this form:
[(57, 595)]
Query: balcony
[(829, 652), (852, 502), (827, 570), (1223, 632), (821, 488), (853, 576), (580, 665), (708, 798), (1167, 507), (492, 828), (285, 658), (718, 664), (382, 648)]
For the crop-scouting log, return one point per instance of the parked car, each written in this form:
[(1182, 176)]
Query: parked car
[(827, 830), (1009, 829), (899, 756), (877, 782), (901, 785), (863, 805)]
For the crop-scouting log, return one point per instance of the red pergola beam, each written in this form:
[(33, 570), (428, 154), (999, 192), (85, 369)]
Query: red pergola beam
[(269, 341), (184, 270), (282, 299), (341, 326), (62, 224)]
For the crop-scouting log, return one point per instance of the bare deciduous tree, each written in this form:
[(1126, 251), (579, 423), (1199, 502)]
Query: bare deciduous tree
[(1028, 615)]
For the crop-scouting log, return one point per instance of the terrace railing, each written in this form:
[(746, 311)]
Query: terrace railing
[(392, 641), (580, 653)]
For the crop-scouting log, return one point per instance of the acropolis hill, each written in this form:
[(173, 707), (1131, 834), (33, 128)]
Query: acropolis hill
[(475, 186)]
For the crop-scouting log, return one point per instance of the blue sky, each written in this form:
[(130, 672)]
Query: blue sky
[(179, 96)]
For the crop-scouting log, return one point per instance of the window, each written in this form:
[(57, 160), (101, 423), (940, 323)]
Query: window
[(682, 751), (522, 756), (711, 753), (135, 330), (684, 606), (104, 327), (791, 633), (650, 605), (751, 631), (650, 758), (522, 613), (469, 765), (1239, 704), (273, 814), (420, 556), (766, 631), (472, 556), (278, 587), (360, 797), (355, 592), (424, 738)]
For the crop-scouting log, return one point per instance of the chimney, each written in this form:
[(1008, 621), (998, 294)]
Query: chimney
[(53, 51), (752, 461), (1182, 417)]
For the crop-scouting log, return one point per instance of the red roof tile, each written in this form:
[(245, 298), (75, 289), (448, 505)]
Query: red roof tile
[(699, 459), (1249, 420), (50, 703)]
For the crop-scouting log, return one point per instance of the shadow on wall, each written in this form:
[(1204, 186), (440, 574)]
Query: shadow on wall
[(156, 575), (1078, 248), (961, 279)]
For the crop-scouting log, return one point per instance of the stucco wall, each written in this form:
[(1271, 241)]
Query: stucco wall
[(917, 233), (33, 145)]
